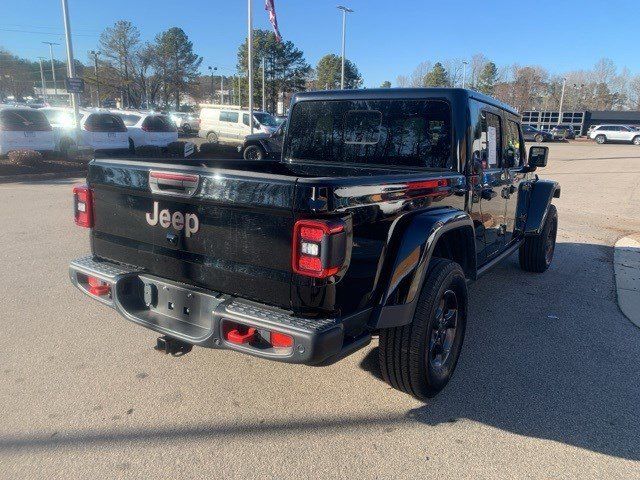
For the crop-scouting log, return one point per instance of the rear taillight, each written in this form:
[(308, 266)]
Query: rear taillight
[(83, 206), (319, 247)]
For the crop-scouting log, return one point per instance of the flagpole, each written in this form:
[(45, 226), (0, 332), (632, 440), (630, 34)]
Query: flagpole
[(250, 61)]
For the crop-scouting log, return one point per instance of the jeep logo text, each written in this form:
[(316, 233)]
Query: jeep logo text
[(178, 220)]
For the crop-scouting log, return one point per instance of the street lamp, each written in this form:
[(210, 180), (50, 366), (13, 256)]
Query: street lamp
[(564, 84), (53, 68), (345, 10), (95, 69), (464, 73), (213, 92), (44, 84)]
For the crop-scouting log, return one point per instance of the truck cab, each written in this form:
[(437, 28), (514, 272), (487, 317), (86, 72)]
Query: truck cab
[(384, 205)]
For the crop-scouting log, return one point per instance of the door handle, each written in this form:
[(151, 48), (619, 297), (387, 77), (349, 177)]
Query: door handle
[(170, 183)]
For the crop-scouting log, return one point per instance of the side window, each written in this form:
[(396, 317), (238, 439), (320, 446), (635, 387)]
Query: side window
[(231, 117), (487, 143), (245, 119), (513, 151)]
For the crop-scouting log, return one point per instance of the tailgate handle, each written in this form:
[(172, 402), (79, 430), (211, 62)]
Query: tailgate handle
[(171, 183)]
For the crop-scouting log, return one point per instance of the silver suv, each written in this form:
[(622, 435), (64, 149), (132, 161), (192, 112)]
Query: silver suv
[(615, 133)]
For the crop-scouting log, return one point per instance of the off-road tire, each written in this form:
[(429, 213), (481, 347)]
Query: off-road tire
[(534, 254), (601, 139), (254, 152), (405, 352), (539, 138)]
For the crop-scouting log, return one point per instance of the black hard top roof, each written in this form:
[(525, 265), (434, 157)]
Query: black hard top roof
[(400, 93)]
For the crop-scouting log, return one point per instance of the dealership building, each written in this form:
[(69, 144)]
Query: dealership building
[(580, 121)]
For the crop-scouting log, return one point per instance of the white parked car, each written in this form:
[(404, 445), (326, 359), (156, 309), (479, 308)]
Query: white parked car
[(149, 129), (186, 122), (24, 128), (229, 125), (615, 133), (103, 131), (61, 120)]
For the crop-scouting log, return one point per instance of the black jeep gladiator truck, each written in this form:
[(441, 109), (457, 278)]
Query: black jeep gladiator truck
[(384, 206)]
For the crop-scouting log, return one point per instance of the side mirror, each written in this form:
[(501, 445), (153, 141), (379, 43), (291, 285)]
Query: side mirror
[(538, 156)]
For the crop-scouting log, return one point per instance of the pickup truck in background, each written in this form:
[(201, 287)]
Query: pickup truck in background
[(386, 203)]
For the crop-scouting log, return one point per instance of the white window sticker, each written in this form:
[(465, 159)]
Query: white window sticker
[(491, 141)]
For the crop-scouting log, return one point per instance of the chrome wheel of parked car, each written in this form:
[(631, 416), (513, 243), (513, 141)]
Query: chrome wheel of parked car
[(600, 139), (539, 138), (636, 140), (253, 152), (212, 137)]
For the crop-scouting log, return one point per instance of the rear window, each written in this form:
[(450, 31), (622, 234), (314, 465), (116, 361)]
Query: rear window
[(402, 133), (130, 120), (104, 122), (158, 123), (23, 120)]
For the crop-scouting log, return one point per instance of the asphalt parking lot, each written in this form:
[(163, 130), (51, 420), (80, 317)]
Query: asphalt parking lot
[(548, 385)]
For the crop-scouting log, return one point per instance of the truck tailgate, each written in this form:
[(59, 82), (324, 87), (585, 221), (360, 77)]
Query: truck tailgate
[(231, 234)]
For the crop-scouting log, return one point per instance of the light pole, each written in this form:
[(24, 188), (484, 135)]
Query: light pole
[(263, 89), (222, 89), (564, 84), (250, 61), (71, 68), (213, 91), (95, 70), (345, 10), (464, 73), (44, 85), (53, 68)]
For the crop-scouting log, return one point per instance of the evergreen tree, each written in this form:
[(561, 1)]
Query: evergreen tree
[(328, 73), (437, 77), (487, 79), (386, 84)]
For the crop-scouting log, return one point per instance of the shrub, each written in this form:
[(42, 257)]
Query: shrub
[(25, 158)]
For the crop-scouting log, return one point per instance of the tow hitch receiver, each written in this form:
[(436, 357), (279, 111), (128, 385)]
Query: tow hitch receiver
[(172, 346)]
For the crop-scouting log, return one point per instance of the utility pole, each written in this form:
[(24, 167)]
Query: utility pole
[(222, 89), (213, 91), (464, 74), (250, 61), (264, 108), (564, 84), (53, 67), (95, 70), (345, 10), (71, 68), (44, 85)]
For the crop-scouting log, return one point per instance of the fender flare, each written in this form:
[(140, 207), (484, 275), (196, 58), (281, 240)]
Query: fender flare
[(409, 266), (541, 192)]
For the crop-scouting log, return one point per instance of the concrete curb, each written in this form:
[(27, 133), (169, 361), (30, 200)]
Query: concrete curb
[(42, 176), (626, 263)]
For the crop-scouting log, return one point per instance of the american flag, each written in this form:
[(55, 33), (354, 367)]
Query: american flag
[(269, 6)]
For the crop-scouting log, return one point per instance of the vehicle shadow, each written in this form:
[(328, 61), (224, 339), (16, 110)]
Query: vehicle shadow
[(548, 356)]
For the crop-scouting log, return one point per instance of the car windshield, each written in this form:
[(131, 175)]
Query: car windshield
[(265, 119)]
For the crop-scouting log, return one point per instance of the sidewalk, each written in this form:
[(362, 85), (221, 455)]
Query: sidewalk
[(626, 261)]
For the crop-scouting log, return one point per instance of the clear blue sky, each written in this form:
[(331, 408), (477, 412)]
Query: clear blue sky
[(384, 38)]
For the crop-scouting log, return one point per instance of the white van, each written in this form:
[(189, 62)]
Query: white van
[(228, 124)]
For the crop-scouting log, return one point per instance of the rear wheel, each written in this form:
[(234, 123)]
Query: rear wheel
[(636, 140), (253, 152), (601, 139), (186, 128), (420, 358), (212, 137), (539, 138), (536, 253)]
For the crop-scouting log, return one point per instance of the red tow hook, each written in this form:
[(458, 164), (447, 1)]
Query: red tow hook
[(241, 335)]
